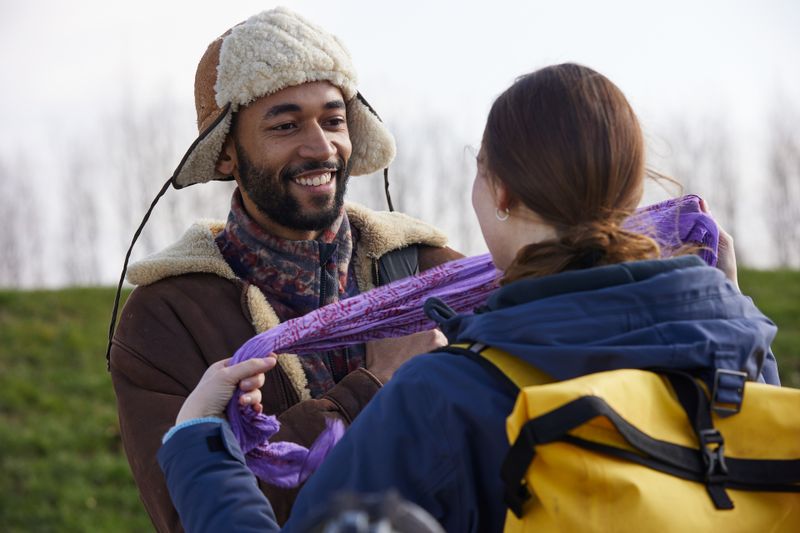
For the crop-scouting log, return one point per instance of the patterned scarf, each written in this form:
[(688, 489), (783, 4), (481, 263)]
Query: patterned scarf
[(402, 308), (297, 277)]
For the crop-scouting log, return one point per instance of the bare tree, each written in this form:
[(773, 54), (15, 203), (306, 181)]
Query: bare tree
[(11, 260), (21, 226), (146, 143), (783, 187), (432, 177), (703, 159), (143, 144), (686, 154), (81, 224)]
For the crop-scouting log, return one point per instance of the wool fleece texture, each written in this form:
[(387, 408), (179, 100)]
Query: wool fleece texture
[(269, 52)]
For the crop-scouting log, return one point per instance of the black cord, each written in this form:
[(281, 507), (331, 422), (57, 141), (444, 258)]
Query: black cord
[(386, 188), (385, 170), (125, 269)]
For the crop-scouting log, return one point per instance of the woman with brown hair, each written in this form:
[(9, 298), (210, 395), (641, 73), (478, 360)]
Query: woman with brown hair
[(561, 165)]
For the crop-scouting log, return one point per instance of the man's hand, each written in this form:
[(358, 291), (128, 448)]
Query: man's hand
[(216, 387), (726, 255), (384, 356)]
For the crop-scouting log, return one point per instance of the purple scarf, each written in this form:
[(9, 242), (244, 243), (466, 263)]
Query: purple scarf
[(396, 309)]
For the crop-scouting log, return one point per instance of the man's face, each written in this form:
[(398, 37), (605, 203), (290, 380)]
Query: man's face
[(292, 150)]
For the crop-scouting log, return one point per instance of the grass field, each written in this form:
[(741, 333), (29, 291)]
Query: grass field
[(777, 294), (62, 463)]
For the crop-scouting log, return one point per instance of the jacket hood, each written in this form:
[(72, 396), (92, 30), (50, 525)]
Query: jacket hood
[(676, 313)]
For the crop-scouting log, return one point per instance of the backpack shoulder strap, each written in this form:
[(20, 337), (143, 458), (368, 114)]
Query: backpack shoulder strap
[(395, 265), (513, 370)]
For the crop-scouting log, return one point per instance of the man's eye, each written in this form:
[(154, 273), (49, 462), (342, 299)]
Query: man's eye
[(284, 127), (338, 121)]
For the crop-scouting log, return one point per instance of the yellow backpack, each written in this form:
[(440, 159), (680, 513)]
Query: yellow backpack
[(635, 450)]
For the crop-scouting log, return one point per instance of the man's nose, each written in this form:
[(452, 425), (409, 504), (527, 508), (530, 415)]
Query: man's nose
[(317, 144)]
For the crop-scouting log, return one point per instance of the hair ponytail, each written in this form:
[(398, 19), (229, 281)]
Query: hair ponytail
[(567, 145), (579, 247)]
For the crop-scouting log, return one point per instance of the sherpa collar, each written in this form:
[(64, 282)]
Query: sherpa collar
[(196, 252)]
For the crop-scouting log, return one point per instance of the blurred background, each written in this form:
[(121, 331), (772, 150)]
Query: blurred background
[(98, 109)]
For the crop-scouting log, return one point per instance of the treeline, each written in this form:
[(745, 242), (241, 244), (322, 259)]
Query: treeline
[(72, 228)]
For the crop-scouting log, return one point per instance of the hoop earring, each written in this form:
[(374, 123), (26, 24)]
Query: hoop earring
[(502, 218)]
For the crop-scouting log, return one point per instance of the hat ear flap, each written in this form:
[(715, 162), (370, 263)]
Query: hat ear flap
[(200, 162), (373, 145)]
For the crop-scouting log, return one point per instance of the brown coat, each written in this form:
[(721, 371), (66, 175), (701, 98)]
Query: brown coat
[(190, 311)]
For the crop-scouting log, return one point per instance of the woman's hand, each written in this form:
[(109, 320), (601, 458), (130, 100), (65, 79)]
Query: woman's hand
[(726, 255), (216, 387)]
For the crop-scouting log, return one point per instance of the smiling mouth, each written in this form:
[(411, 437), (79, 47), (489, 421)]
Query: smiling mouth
[(315, 181)]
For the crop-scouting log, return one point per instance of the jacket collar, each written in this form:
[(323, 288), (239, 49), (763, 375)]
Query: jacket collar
[(379, 232), (527, 290)]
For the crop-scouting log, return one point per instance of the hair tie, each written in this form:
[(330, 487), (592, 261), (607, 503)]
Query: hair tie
[(590, 258)]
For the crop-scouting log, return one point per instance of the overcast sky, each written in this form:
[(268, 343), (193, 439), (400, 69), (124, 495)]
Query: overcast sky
[(64, 61), (68, 64)]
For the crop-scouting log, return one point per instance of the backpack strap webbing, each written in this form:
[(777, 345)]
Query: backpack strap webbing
[(503, 365)]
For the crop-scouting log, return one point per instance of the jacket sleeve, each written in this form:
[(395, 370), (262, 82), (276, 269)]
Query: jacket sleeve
[(165, 341), (394, 444), (431, 256), (148, 400), (211, 486), (769, 370), (303, 422), (168, 334)]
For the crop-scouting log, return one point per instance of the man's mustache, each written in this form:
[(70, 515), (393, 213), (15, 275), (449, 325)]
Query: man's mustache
[(294, 171)]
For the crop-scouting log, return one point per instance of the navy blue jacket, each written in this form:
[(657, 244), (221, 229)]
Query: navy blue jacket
[(436, 431)]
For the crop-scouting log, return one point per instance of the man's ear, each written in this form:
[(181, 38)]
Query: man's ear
[(227, 161)]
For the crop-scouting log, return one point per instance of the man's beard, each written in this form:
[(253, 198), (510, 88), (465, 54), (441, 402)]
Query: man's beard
[(270, 192)]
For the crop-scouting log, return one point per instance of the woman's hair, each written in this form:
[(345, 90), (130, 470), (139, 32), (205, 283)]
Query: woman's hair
[(566, 143)]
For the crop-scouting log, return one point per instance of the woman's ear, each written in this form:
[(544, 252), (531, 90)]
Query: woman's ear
[(502, 196), (227, 161)]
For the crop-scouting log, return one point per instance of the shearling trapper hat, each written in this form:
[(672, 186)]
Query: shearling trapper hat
[(269, 52)]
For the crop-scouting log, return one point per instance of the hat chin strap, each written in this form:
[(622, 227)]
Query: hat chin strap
[(163, 191), (125, 269), (385, 170), (171, 181), (386, 188)]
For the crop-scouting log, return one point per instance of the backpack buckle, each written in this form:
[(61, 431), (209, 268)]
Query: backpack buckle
[(727, 394), (714, 459), (716, 470)]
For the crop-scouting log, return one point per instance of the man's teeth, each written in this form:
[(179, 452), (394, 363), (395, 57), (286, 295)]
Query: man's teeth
[(316, 181)]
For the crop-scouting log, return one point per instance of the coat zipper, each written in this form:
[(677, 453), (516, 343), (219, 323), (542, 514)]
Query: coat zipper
[(376, 273)]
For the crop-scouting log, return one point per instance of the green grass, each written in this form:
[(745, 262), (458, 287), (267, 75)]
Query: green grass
[(777, 294), (61, 458)]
